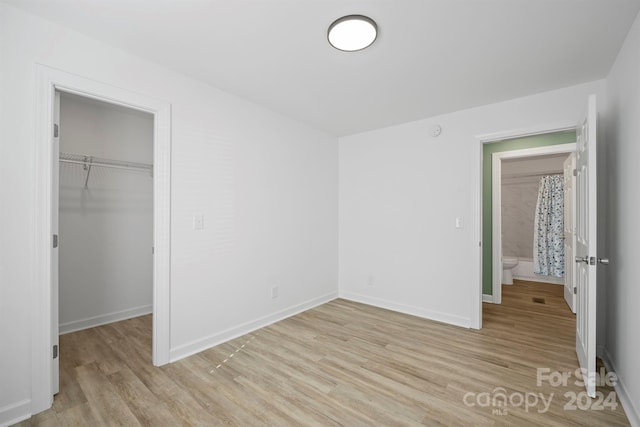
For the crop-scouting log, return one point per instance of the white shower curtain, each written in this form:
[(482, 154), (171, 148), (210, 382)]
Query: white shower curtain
[(548, 239)]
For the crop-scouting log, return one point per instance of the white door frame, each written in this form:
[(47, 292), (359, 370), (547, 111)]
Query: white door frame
[(570, 286), (48, 81), (476, 307), (496, 208)]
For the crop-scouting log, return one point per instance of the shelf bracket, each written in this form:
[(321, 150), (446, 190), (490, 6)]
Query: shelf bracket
[(87, 166)]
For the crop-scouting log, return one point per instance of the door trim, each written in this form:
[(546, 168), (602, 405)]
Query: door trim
[(476, 306), (48, 81)]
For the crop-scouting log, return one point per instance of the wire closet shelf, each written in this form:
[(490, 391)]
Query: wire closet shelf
[(90, 161)]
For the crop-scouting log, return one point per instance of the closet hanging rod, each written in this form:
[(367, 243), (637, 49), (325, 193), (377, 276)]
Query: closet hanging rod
[(145, 168), (89, 161)]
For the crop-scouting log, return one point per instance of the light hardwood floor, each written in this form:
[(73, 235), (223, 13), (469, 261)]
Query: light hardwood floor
[(342, 363)]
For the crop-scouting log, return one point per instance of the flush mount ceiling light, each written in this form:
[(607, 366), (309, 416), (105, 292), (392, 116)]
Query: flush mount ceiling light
[(353, 32)]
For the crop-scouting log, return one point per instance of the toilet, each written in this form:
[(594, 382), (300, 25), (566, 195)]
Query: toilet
[(508, 263)]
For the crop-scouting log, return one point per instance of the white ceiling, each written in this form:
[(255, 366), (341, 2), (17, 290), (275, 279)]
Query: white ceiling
[(431, 56)]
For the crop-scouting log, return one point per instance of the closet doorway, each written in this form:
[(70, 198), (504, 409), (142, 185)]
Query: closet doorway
[(105, 213), (50, 84), (102, 213)]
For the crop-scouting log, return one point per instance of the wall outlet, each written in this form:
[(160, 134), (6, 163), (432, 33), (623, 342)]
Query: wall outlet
[(198, 222), (370, 281), (274, 292)]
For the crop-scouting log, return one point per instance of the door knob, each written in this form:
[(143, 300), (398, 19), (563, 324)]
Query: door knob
[(603, 261), (582, 259)]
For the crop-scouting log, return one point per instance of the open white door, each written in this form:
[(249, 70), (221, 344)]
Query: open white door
[(585, 250), (55, 192), (569, 231)]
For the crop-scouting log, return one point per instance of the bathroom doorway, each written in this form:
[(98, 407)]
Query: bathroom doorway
[(515, 150), (522, 226)]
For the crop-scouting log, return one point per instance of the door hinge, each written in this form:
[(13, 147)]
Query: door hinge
[(55, 241), (55, 130), (55, 351), (153, 250), (575, 290), (575, 172)]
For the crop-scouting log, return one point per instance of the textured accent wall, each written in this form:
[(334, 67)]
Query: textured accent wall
[(519, 197)]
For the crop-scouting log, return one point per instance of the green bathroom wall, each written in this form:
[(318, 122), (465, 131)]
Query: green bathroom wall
[(556, 138)]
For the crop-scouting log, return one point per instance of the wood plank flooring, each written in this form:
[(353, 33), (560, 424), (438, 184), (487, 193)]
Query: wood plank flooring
[(342, 363)]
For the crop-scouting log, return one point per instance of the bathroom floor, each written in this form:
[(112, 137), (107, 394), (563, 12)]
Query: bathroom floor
[(536, 311), (524, 293)]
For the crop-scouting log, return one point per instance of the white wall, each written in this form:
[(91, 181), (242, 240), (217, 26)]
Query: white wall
[(623, 152), (401, 191), (106, 229), (266, 185)]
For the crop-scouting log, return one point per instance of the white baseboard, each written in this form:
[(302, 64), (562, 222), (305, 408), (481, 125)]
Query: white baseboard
[(487, 298), (543, 279), (408, 309), (92, 322), (14, 413), (202, 344), (629, 405)]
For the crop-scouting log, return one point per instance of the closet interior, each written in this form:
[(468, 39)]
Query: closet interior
[(105, 199)]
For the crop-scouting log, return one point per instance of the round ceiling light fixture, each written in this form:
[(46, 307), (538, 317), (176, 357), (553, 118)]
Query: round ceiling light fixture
[(352, 32)]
